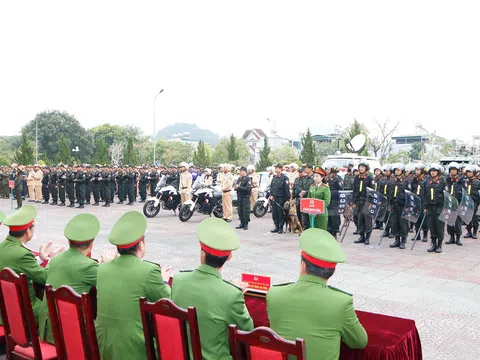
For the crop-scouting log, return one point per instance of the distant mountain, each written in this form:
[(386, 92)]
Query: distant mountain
[(188, 131)]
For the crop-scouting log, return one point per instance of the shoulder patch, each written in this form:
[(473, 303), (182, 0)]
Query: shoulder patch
[(235, 286), (341, 291)]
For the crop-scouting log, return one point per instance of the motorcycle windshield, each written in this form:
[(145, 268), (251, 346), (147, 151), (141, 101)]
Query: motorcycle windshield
[(198, 182), (161, 183)]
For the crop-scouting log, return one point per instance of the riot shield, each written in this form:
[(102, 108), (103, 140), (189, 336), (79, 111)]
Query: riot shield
[(376, 205), (413, 207), (466, 207), (344, 201), (450, 207)]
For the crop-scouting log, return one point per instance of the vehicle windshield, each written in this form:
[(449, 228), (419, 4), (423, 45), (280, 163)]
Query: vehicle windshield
[(198, 182), (161, 183)]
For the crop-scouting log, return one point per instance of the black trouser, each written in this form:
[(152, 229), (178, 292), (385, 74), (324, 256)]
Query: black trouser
[(153, 185), (45, 192), (143, 191), (112, 192), (244, 209), (277, 211), (106, 193), (18, 196), (130, 192), (97, 188), (455, 229), (399, 224), (436, 226), (121, 191), (364, 222), (81, 193), (333, 218), (88, 192), (70, 192), (474, 223), (425, 223), (103, 191), (54, 193), (61, 193)]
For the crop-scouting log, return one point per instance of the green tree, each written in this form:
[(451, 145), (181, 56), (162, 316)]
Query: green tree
[(416, 151), (308, 153), (286, 154), (232, 149), (64, 151), (265, 160), (109, 133), (324, 150), (220, 153), (201, 156), (401, 156), (353, 130), (174, 152), (130, 157), (101, 155), (24, 155)]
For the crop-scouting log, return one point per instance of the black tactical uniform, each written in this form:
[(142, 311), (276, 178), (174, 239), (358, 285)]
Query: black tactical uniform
[(121, 179), (417, 184), (62, 184), (97, 186), (112, 186), (244, 190), (153, 182), (173, 179), (335, 184), (70, 187), (280, 190), (88, 186), (52, 186), (106, 178), (142, 185), (131, 179), (45, 182), (385, 188), (377, 186), (396, 205), (80, 183), (306, 183), (297, 188), (360, 184), (472, 187), (454, 187), (433, 203)]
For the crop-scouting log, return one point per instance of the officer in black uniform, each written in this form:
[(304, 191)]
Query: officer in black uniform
[(80, 184), (97, 184), (472, 187), (396, 205), (106, 178), (61, 184), (377, 186), (173, 178), (297, 189), (306, 183), (335, 183), (348, 178), (433, 204), (154, 178), (243, 187), (45, 181), (279, 193), (417, 184), (52, 186), (113, 184), (121, 179), (131, 179), (361, 182), (455, 183), (70, 185), (88, 184), (142, 184)]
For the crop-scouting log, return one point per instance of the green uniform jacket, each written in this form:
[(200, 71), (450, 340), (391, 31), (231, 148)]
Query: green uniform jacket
[(120, 284), (322, 193), (70, 268), (21, 260), (321, 315), (218, 303)]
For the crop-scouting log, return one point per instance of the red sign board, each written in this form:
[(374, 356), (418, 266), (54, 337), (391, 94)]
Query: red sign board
[(11, 184), (312, 206), (257, 282)]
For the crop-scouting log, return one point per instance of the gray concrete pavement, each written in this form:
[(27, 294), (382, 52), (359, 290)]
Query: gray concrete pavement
[(440, 292)]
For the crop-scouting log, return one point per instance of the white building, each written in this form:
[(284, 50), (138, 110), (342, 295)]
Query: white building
[(254, 139)]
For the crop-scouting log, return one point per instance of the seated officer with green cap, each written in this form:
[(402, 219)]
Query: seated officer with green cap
[(120, 284), (218, 302), (309, 309), (73, 267), (16, 256)]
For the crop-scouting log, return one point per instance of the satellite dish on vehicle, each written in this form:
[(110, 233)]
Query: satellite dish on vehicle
[(357, 144)]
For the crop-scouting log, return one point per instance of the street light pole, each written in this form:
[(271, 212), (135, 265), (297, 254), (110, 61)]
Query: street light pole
[(154, 134), (36, 141)]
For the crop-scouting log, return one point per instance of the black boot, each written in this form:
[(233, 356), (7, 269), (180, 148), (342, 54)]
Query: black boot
[(275, 229), (425, 236), (71, 205), (334, 234), (459, 242), (245, 227), (61, 204), (356, 232), (468, 234), (416, 235), (53, 203), (451, 240), (438, 250), (367, 239), (433, 248), (80, 206), (360, 240), (402, 242), (474, 233), (106, 205), (240, 226), (396, 243), (386, 232), (95, 204)]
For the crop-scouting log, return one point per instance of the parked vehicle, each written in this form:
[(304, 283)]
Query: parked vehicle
[(166, 197), (205, 200)]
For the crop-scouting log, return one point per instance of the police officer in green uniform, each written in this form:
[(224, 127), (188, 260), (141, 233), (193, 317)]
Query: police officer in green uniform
[(310, 309), (218, 302), (319, 190), (120, 283), (14, 254), (433, 205), (472, 187), (244, 189), (72, 268)]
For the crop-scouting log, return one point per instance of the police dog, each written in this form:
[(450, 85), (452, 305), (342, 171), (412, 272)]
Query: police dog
[(292, 223)]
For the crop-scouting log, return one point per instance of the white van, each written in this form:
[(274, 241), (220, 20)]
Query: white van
[(341, 161)]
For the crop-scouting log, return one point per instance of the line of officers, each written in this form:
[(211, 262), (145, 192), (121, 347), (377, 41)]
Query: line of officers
[(426, 182)]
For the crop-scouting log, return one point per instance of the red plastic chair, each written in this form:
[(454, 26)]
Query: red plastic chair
[(263, 343), (72, 322), (166, 323), (18, 320)]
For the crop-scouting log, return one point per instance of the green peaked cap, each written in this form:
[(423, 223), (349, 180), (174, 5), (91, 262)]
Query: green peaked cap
[(128, 229), (2, 216), (24, 216), (321, 245), (218, 235), (82, 227)]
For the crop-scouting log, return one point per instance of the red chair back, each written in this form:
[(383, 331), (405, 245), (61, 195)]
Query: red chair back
[(263, 343), (165, 322), (17, 313), (72, 322)]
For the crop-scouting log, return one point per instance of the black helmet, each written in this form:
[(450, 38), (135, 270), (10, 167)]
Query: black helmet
[(364, 163)]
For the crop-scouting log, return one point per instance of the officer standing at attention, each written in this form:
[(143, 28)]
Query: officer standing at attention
[(121, 179), (218, 302), (310, 309), (255, 183), (45, 181), (106, 178), (131, 179), (88, 184), (80, 179), (226, 186), (472, 187), (243, 188), (73, 267), (185, 182), (361, 182), (418, 184), (297, 189), (70, 185), (433, 206), (320, 191), (397, 197), (335, 183), (120, 283), (279, 193), (97, 185), (455, 183), (143, 184), (306, 183), (154, 178)]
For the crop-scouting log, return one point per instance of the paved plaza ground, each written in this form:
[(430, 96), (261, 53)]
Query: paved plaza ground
[(441, 292)]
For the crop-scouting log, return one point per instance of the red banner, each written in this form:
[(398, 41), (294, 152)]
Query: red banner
[(257, 282), (312, 206), (11, 184)]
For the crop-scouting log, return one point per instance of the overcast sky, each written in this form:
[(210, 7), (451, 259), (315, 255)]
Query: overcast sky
[(227, 66)]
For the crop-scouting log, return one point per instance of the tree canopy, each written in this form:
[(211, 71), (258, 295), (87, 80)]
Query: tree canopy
[(308, 153), (265, 160), (25, 153)]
